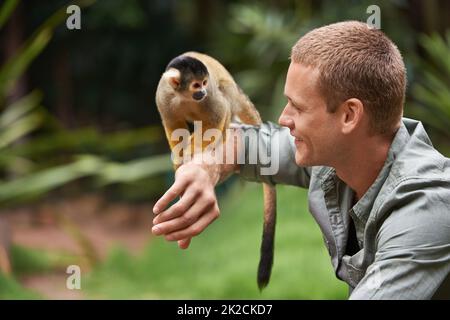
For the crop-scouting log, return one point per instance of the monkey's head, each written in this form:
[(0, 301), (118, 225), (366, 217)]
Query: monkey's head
[(188, 76)]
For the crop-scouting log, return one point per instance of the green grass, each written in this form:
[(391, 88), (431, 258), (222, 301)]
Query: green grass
[(27, 261), (221, 263), (24, 261), (10, 288)]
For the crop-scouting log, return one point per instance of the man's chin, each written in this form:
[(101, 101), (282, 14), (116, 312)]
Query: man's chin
[(302, 161)]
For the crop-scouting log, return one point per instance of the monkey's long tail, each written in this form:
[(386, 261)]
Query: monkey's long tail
[(268, 236)]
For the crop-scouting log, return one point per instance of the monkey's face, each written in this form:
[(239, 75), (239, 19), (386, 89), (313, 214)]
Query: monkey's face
[(197, 89), (190, 87)]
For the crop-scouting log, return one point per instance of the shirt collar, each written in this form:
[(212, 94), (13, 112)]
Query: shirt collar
[(363, 207)]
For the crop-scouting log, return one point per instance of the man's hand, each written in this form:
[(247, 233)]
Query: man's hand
[(193, 212)]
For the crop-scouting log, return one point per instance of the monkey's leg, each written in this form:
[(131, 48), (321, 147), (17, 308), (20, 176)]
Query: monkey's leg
[(222, 125), (176, 146)]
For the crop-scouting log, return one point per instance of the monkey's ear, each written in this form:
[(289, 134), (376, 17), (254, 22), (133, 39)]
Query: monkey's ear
[(174, 82), (173, 76)]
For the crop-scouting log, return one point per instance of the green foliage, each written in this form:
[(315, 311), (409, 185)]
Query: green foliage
[(27, 262), (19, 119), (106, 14), (6, 10), (32, 166), (118, 145), (11, 289), (221, 263), (15, 67), (17, 64), (35, 184), (265, 36), (431, 95)]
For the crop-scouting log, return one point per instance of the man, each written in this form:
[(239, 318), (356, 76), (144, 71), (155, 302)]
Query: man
[(377, 188)]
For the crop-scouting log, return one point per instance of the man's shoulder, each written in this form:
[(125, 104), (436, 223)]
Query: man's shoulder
[(416, 211), (418, 183), (417, 158), (417, 203)]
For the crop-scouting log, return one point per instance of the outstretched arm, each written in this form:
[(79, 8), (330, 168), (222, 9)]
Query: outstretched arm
[(194, 184), (195, 180)]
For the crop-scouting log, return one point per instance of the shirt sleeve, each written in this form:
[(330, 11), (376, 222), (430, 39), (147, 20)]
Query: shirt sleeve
[(267, 154), (412, 259)]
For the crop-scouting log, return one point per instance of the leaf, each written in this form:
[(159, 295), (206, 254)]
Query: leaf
[(19, 108), (107, 172), (21, 127), (88, 140), (135, 170), (17, 64), (432, 94), (48, 179), (438, 50), (6, 10)]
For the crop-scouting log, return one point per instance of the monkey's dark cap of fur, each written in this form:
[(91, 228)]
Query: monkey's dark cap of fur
[(188, 65)]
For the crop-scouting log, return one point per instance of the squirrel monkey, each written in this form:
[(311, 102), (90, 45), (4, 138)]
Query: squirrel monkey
[(196, 87)]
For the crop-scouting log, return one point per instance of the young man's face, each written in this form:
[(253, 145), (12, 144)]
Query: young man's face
[(315, 130)]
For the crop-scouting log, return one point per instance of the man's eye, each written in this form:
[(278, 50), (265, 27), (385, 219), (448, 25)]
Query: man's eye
[(295, 107)]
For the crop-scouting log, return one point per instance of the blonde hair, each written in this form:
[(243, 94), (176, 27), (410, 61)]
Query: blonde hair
[(356, 61)]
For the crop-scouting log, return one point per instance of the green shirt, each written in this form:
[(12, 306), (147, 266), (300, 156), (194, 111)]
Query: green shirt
[(402, 222)]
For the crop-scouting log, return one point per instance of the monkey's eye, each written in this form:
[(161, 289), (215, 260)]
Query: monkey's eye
[(196, 85), (205, 82)]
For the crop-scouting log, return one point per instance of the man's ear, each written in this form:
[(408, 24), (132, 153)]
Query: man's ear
[(173, 77), (352, 111)]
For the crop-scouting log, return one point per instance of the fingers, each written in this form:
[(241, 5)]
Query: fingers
[(176, 210), (184, 244), (196, 228), (193, 212), (184, 220), (174, 191)]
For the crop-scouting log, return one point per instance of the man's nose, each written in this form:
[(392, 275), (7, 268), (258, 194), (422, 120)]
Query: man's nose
[(285, 120)]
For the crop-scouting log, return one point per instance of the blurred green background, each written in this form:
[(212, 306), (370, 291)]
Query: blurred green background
[(83, 156)]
